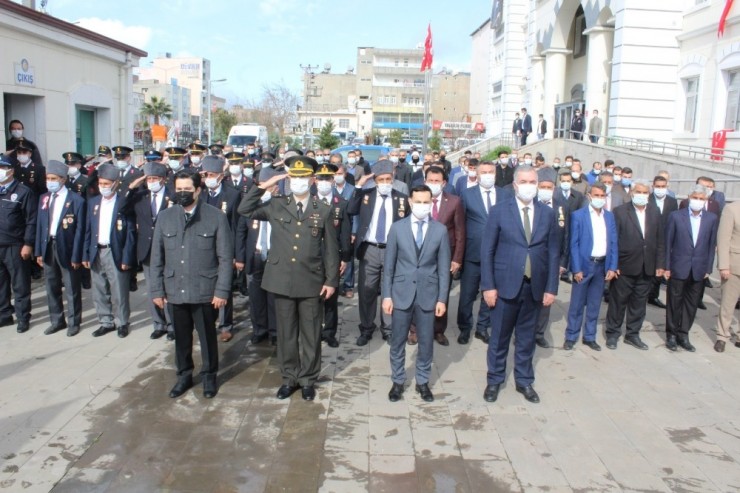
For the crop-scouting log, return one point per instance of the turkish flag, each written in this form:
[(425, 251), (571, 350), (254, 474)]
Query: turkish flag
[(426, 61), (436, 124), (722, 20)]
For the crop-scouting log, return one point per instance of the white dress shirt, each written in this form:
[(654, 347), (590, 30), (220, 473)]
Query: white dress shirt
[(530, 212), (415, 226), (58, 206), (106, 218), (159, 196), (695, 224), (372, 229), (598, 227), (660, 203), (268, 233), (484, 196), (641, 219)]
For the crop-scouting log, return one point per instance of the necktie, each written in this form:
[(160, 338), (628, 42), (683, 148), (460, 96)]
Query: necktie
[(528, 236), (263, 240), (300, 209), (380, 229), (51, 213), (154, 205), (419, 234), (488, 201), (435, 209)]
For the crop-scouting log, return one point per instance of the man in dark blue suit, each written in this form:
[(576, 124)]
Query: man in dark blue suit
[(60, 237), (691, 239), (526, 125), (593, 260), (477, 202), (519, 274)]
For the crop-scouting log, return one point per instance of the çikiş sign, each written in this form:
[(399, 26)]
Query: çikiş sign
[(24, 75)]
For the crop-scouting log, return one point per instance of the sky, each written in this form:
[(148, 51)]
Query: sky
[(256, 42)]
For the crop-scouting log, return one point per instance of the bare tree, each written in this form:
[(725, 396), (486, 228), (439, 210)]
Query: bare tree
[(278, 105)]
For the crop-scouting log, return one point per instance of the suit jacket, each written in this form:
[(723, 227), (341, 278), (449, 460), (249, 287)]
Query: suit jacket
[(461, 185), (527, 123), (245, 251), (728, 239), (719, 197), (712, 206), (145, 223), (304, 252), (410, 274), (683, 259), (504, 176), (226, 201), (191, 262), (362, 205), (79, 186), (70, 232), (403, 172), (504, 251), (242, 186), (562, 219), (582, 241), (33, 176), (576, 199), (123, 233), (542, 127), (346, 194), (476, 218), (342, 224), (517, 126), (131, 174), (619, 196), (452, 215), (638, 255), (670, 204)]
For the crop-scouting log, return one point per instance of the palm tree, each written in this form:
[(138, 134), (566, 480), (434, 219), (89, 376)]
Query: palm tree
[(157, 108)]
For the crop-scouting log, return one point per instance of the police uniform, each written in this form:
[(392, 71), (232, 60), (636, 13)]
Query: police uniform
[(304, 257), (240, 182), (60, 237), (17, 229), (128, 173), (78, 182), (31, 174)]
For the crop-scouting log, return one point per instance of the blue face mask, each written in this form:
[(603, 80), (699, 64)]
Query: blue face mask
[(53, 186), (626, 182)]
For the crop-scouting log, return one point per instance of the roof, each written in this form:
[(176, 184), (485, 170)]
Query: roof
[(481, 27), (68, 27)]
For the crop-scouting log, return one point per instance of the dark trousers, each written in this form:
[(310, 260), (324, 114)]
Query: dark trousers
[(299, 339), (627, 295), (15, 273), (400, 325), (543, 320), (225, 320), (655, 288), (160, 317), (348, 280), (683, 299), (469, 289), (524, 138), (370, 276), (331, 315), (202, 317), (518, 314), (56, 278), (586, 295), (261, 302)]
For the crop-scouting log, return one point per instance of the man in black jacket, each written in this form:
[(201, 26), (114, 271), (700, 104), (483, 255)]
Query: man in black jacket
[(666, 204)]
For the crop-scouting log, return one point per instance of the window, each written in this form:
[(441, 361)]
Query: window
[(732, 117), (315, 122), (580, 40), (405, 62), (344, 123), (691, 86)]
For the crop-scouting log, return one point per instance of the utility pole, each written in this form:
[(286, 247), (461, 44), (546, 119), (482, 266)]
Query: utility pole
[(308, 73)]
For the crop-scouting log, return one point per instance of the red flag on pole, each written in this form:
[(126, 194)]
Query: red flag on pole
[(426, 61), (723, 19)]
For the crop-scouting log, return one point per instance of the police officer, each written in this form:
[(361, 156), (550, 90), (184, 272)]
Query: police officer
[(31, 174), (17, 238), (236, 178), (77, 182), (302, 268), (191, 263), (110, 251), (60, 237)]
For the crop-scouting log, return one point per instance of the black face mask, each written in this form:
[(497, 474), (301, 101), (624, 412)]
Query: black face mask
[(415, 159), (185, 199), (402, 160)]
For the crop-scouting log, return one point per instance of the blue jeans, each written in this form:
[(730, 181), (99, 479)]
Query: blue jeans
[(586, 294)]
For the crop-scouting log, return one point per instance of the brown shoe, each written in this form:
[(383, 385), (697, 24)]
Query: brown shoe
[(719, 346), (441, 339), (412, 340), (225, 336), (349, 294)]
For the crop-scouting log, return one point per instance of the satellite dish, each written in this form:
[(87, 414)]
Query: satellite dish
[(350, 69)]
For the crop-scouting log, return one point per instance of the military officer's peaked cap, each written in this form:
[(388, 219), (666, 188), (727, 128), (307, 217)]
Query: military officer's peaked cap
[(155, 169), (23, 145), (216, 148), (266, 173), (326, 169), (73, 157), (212, 164), (152, 155), (58, 168), (382, 167), (104, 150), (300, 166), (197, 147), (107, 171), (175, 151), (122, 150), (235, 157)]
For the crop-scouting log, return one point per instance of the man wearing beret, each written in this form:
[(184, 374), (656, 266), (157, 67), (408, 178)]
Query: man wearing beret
[(60, 238), (302, 268)]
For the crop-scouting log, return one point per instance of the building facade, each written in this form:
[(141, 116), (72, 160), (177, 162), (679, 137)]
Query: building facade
[(178, 97)]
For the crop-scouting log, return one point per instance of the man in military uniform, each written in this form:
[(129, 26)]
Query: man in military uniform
[(340, 219), (191, 264), (175, 163), (302, 268), (236, 178), (17, 238), (196, 152), (127, 172), (31, 174), (216, 149), (60, 237), (77, 182)]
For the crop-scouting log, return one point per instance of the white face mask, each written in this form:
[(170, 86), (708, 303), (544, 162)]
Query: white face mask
[(394, 159), (106, 191), (504, 160), (195, 159), (576, 175), (598, 203), (248, 172), (4, 173), (266, 197), (352, 161), (298, 186), (17, 134), (154, 186), (608, 189), (385, 188), (472, 173), (710, 191), (421, 211), (323, 187), (121, 164), (436, 188), (566, 185), (528, 162), (212, 182), (544, 195), (660, 192), (235, 169), (173, 164), (339, 180), (487, 180), (696, 204), (640, 199), (319, 159), (73, 172), (526, 191), (24, 158)]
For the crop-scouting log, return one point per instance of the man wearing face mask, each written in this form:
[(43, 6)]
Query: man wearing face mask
[(110, 251), (191, 263), (593, 175), (471, 177), (615, 196), (580, 184), (126, 172), (60, 236), (174, 164), (302, 269), (665, 204), (76, 181), (401, 171), (402, 156), (691, 240), (16, 130), (418, 176), (194, 157), (216, 149), (31, 174), (18, 207), (346, 190), (446, 165), (504, 172), (627, 180), (238, 178), (577, 126), (641, 259), (377, 208), (574, 198), (354, 172)]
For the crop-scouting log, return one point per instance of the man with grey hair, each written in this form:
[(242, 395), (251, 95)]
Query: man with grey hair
[(690, 238), (641, 257)]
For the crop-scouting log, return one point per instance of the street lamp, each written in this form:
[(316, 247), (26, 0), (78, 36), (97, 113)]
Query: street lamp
[(210, 110)]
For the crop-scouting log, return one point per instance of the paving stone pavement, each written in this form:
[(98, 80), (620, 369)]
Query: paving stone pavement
[(92, 414)]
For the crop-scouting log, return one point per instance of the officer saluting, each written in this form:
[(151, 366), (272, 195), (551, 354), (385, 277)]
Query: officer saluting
[(302, 267), (195, 156), (77, 182)]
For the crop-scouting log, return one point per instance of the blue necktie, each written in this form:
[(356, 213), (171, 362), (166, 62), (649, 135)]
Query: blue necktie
[(154, 205), (488, 201), (419, 234), (380, 229), (263, 240)]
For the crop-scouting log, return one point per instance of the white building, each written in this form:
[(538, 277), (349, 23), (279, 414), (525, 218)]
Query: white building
[(71, 88), (178, 97)]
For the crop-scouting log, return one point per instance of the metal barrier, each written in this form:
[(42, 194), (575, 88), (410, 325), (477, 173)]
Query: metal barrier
[(681, 186)]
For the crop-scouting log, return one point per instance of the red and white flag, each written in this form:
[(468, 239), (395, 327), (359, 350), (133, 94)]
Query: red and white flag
[(723, 19), (426, 61)]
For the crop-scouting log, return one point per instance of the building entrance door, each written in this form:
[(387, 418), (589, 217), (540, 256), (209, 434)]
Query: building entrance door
[(85, 131), (30, 111), (563, 116)]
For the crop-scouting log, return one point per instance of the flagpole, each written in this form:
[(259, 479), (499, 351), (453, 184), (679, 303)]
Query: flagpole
[(427, 84)]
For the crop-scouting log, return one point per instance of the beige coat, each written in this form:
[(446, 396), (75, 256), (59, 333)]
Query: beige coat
[(728, 239)]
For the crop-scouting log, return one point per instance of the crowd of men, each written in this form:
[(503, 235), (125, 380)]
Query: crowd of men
[(293, 231)]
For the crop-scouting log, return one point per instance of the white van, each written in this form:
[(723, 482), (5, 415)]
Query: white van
[(244, 134)]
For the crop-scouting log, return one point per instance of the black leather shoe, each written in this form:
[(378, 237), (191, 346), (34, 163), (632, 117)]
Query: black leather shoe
[(719, 346), (708, 283), (158, 333), (491, 393), (529, 393), (386, 336), (170, 335), (73, 331), (463, 338), (363, 340), (636, 342), (670, 343), (101, 331), (425, 393), (210, 386), (684, 343), (122, 331), (396, 392), (593, 345), (542, 342), (182, 386), (656, 302), (22, 327), (6, 321), (568, 345), (52, 330), (611, 342), (308, 393), (566, 279), (331, 341), (256, 339), (701, 306), (482, 336), (286, 391)]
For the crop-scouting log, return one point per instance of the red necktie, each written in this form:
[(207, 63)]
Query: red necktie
[(435, 209)]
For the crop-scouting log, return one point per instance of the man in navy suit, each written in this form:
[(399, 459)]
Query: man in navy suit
[(60, 237), (110, 251), (345, 190), (593, 260), (691, 239), (526, 126), (477, 203), (416, 283), (519, 274), (665, 204)]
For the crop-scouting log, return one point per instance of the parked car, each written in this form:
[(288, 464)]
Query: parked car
[(406, 144)]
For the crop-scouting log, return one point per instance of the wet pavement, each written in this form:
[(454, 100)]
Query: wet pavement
[(92, 414)]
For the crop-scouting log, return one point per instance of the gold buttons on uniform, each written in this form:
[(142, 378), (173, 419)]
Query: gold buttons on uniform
[(295, 248), (297, 235), (299, 223), (292, 260)]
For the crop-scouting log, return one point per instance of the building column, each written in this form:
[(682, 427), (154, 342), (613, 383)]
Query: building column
[(554, 79), (536, 87), (600, 44)]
